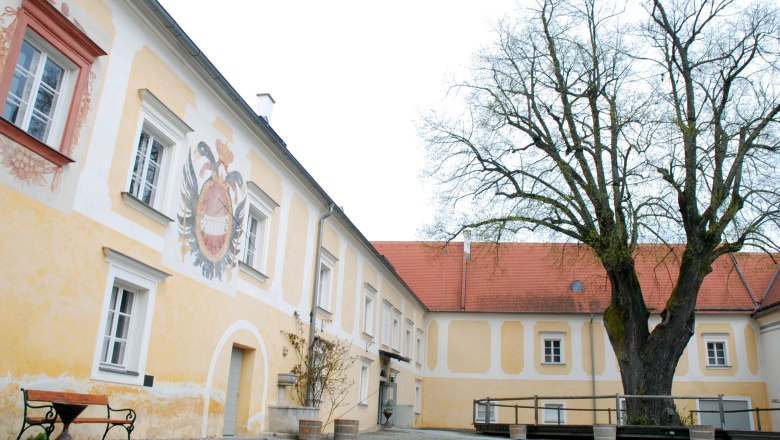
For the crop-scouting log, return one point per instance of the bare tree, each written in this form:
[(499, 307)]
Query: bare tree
[(587, 124)]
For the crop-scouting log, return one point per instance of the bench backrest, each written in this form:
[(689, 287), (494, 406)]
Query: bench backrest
[(58, 396)]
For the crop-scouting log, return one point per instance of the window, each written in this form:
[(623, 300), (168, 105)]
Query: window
[(419, 352), (368, 310), (115, 338), (408, 338), (479, 408), (160, 131), (552, 348), (146, 168), (327, 263), (386, 324), (717, 353), (257, 232), (120, 354), (364, 378), (554, 413), (42, 95), (396, 329), (417, 396), (39, 90), (736, 413)]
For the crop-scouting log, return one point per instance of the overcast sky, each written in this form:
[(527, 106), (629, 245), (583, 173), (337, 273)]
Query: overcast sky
[(350, 79)]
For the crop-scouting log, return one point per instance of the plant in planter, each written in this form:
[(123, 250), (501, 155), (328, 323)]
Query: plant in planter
[(327, 371), (387, 410)]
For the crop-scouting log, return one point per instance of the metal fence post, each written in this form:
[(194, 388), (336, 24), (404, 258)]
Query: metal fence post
[(758, 418), (720, 410), (517, 420), (617, 410), (536, 410)]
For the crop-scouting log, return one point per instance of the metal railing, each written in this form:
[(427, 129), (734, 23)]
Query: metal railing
[(489, 408)]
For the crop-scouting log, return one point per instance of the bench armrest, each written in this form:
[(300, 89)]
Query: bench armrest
[(128, 414)]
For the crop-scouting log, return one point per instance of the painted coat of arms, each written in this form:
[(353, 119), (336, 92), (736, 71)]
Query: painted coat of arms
[(211, 216)]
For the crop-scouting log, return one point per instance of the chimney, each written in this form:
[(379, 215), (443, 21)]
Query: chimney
[(265, 106), (467, 244)]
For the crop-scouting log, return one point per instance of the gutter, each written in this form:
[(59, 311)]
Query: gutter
[(315, 296), (592, 367)]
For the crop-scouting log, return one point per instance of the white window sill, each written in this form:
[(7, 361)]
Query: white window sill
[(136, 203), (368, 336), (251, 271), (719, 367), (363, 404), (117, 370), (554, 364), (324, 312)]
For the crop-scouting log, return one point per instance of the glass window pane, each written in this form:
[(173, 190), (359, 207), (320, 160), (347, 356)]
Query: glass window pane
[(20, 85), (28, 57), (118, 353), (11, 111), (122, 326), (44, 103), (52, 74), (127, 302), (38, 128)]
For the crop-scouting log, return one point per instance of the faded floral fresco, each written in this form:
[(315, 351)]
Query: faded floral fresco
[(24, 165)]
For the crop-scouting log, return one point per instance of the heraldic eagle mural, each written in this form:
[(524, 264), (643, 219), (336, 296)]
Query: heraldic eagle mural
[(210, 227)]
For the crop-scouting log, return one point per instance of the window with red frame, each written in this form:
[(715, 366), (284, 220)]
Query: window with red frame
[(45, 80)]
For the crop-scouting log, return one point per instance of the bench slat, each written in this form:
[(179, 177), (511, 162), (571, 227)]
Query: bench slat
[(73, 398), (84, 420), (111, 421)]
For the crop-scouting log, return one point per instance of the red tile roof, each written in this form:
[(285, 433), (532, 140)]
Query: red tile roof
[(538, 277), (771, 297)]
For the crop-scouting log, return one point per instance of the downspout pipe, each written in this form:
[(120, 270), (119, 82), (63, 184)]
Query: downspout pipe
[(592, 367), (315, 295)]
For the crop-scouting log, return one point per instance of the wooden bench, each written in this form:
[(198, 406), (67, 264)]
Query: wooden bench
[(57, 407)]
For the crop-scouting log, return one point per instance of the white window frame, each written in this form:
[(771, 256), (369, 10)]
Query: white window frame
[(720, 338), (128, 273), (480, 408), (59, 112), (365, 379), (386, 324), (419, 347), (748, 403), (327, 265), (369, 303), (560, 338), (396, 330), (408, 340), (254, 253), (417, 396), (550, 413), (165, 126)]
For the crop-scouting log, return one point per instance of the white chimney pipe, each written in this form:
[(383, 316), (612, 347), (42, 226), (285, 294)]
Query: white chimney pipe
[(467, 244), (265, 106)]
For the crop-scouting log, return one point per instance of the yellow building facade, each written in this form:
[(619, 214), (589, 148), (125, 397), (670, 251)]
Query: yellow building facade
[(162, 240)]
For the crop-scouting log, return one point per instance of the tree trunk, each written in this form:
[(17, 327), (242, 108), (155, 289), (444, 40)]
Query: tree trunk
[(648, 359)]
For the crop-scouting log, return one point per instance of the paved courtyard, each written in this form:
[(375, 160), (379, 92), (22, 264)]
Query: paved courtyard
[(422, 434)]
